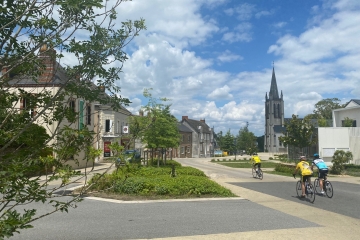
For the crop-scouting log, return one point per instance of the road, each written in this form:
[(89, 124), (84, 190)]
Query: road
[(265, 209)]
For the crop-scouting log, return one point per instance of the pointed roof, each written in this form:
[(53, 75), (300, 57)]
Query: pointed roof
[(274, 93)]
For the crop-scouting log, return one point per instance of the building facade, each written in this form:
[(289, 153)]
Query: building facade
[(202, 137)]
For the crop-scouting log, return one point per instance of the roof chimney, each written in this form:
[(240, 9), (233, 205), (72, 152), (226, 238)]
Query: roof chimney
[(185, 117), (202, 120), (47, 56)]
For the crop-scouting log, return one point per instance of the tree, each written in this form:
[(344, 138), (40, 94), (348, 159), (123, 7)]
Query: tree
[(299, 133), (247, 140), (33, 35), (228, 142), (323, 108), (159, 128), (219, 139)]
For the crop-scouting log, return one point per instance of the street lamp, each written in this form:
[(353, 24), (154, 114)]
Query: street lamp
[(235, 148)]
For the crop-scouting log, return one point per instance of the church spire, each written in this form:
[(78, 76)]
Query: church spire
[(274, 93)]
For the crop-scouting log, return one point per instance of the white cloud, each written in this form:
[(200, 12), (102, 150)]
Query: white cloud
[(221, 93), (279, 24), (228, 56), (263, 13)]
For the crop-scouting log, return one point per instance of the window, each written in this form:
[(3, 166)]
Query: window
[(189, 138), (72, 105), (88, 114), (188, 149), (81, 114), (182, 150), (107, 125), (346, 123), (26, 105)]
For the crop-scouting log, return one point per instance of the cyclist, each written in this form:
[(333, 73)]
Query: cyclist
[(255, 159), (306, 173), (323, 169)]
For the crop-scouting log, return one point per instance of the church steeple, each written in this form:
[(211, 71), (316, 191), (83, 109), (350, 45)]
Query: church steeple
[(274, 93)]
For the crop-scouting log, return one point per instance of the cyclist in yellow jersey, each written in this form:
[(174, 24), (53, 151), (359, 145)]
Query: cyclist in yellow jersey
[(306, 173), (256, 161)]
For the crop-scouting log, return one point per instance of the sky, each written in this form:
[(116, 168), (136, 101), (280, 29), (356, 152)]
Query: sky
[(214, 58)]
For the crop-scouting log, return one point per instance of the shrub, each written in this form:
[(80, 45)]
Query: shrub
[(340, 157), (271, 158), (285, 168)]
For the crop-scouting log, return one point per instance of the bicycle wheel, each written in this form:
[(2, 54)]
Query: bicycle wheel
[(254, 173), (328, 189), (298, 188), (260, 174), (317, 186), (310, 193)]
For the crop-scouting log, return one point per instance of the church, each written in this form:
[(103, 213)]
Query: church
[(274, 119)]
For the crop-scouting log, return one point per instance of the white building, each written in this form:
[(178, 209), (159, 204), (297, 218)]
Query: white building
[(339, 137)]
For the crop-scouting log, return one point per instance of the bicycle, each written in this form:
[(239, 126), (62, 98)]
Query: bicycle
[(327, 186), (309, 190), (258, 173)]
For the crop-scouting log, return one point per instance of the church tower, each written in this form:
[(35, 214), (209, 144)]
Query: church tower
[(274, 117)]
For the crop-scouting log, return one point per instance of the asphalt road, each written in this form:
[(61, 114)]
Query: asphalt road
[(344, 201), (201, 218)]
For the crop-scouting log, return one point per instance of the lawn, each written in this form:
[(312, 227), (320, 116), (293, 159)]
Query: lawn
[(247, 164), (137, 182)]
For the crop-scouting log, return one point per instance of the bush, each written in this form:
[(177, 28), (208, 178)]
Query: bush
[(271, 158), (340, 158), (285, 168)]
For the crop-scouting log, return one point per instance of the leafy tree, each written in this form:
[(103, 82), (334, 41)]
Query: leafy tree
[(228, 142), (219, 139), (299, 133), (247, 140), (323, 108), (159, 128), (87, 31)]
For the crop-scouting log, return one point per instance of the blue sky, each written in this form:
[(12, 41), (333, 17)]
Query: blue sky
[(214, 58)]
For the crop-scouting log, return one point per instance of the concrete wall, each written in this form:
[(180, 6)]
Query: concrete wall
[(339, 138)]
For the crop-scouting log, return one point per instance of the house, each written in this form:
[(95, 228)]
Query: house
[(185, 147), (94, 116), (339, 137), (202, 137), (113, 126)]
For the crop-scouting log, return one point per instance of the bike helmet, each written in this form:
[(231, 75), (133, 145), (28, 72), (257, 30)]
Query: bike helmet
[(302, 158), (316, 155)]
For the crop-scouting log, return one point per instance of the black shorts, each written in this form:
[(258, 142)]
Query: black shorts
[(323, 173), (303, 178), (257, 164)]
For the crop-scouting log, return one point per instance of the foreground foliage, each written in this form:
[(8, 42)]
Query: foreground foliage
[(138, 180), (35, 37)]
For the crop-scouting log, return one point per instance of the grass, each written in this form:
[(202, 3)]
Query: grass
[(136, 182), (247, 164)]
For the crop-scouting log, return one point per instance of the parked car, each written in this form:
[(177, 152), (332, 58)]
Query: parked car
[(218, 153), (132, 156)]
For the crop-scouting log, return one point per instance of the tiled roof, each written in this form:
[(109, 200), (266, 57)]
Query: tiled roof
[(196, 124), (183, 128)]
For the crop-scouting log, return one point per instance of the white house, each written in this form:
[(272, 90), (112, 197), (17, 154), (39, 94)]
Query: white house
[(339, 137)]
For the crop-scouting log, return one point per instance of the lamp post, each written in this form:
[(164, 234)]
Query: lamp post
[(235, 148)]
